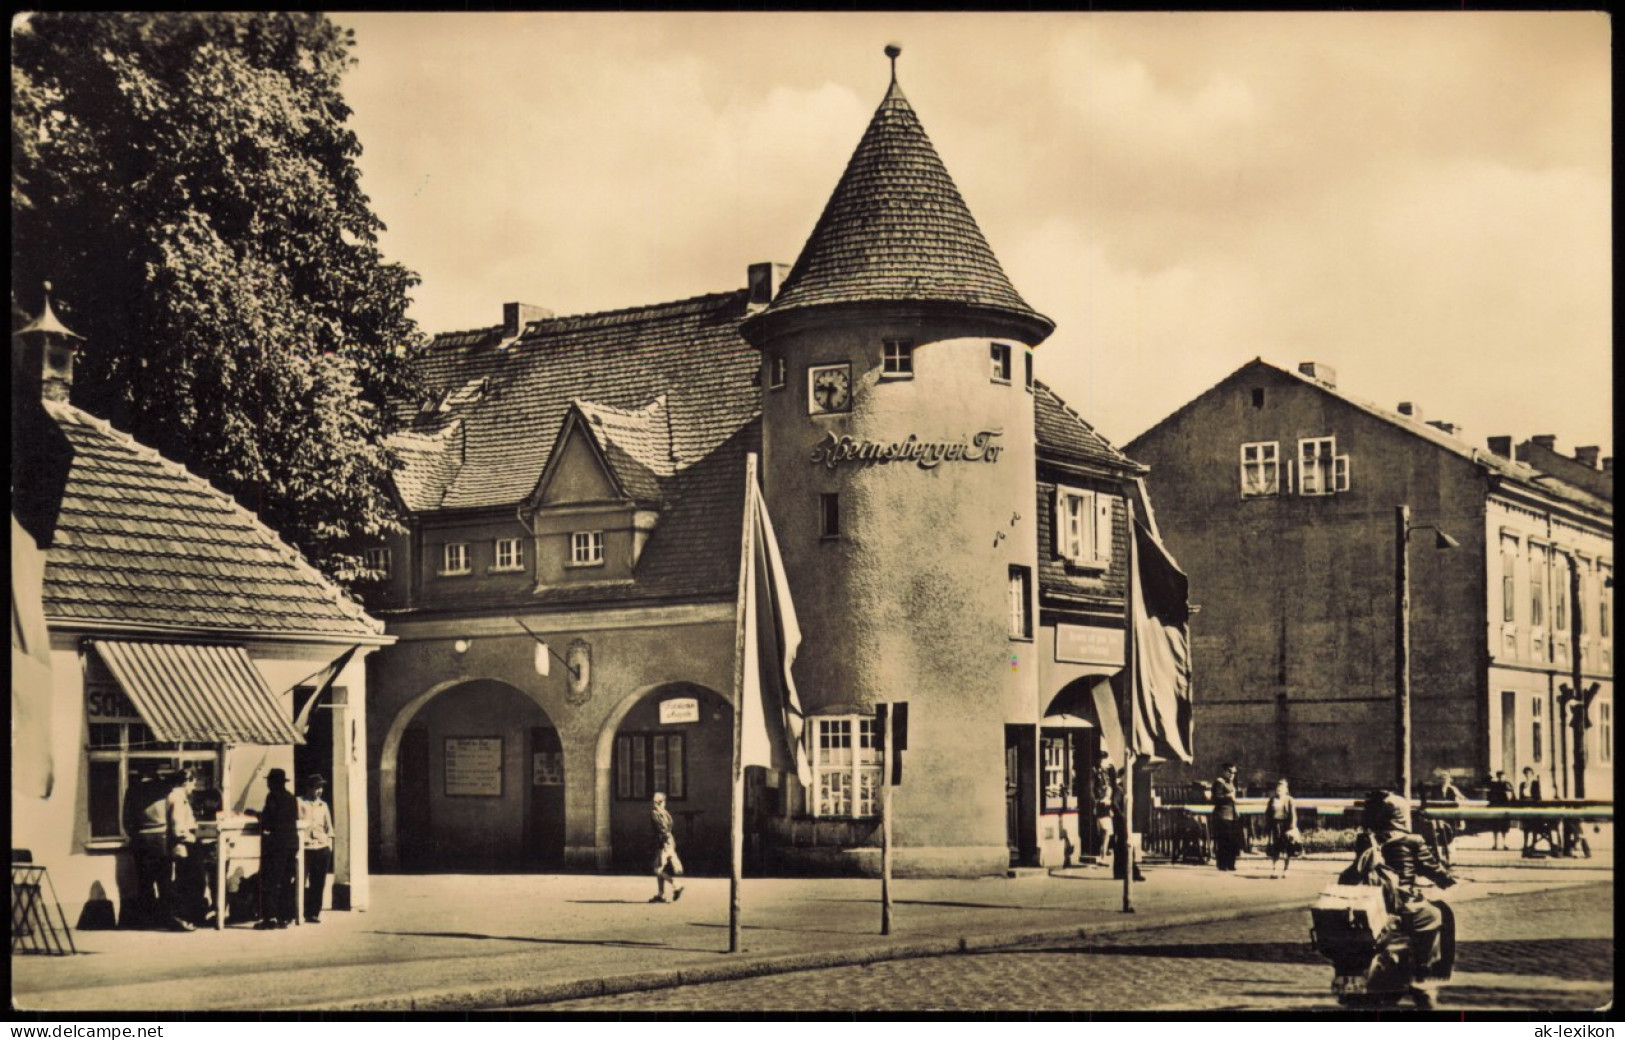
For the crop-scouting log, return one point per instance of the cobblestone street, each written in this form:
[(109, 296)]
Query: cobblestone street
[(1550, 950)]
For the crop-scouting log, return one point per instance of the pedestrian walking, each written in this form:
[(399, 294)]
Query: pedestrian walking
[(1500, 794), (1534, 830), (1281, 816), (668, 868), (318, 820), (279, 852), (1227, 836)]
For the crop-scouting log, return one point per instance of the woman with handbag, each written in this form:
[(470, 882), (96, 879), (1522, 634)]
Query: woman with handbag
[(1281, 816)]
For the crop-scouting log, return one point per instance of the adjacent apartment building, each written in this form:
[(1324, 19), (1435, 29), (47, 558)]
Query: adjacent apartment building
[(1279, 494)]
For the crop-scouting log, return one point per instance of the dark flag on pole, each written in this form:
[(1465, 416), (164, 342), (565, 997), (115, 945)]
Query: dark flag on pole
[(330, 676), (1162, 658)]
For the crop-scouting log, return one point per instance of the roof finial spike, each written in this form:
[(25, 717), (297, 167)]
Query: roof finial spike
[(892, 51)]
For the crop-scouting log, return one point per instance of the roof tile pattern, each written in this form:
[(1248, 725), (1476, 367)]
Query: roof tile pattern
[(897, 229), (637, 444), (140, 540), (1064, 431)]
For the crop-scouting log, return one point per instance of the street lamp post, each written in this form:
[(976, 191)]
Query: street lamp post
[(1402, 640)]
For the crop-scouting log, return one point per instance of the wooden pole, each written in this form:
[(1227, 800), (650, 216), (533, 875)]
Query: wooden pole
[(888, 750), (1577, 692), (1402, 651), (736, 814), (1130, 665)]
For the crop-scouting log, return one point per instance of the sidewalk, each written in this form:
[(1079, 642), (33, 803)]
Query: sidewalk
[(469, 941)]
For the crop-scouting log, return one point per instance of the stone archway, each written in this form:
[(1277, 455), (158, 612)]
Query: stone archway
[(706, 757), (479, 770)]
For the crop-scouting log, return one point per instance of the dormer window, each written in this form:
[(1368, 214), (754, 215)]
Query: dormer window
[(897, 359), (1001, 362), (378, 559), (454, 559), (587, 549)]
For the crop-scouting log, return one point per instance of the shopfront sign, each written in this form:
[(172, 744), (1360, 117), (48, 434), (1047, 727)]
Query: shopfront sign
[(833, 451), (679, 710), (473, 767), (1087, 644), (105, 702)]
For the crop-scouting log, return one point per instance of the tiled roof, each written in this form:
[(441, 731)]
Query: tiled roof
[(1063, 431), (690, 351), (637, 444), (140, 540), (897, 229)]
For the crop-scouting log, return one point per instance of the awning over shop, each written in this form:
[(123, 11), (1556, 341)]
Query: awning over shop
[(198, 692)]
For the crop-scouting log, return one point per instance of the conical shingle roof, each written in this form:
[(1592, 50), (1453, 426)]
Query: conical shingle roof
[(897, 230)]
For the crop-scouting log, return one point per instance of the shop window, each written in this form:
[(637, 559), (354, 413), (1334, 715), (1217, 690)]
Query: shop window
[(1083, 527), (122, 755), (1260, 469), (1001, 362), (454, 559), (1021, 592), (829, 515), (1060, 755), (510, 554), (587, 549), (846, 766), (650, 762), (380, 560), (897, 359)]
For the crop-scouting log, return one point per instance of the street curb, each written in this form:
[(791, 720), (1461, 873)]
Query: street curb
[(497, 996)]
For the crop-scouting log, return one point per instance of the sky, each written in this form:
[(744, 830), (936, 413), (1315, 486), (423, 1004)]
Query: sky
[(1421, 201)]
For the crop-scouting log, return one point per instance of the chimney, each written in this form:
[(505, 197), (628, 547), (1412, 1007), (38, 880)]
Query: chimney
[(1501, 446), (1587, 456), (1608, 464), (1319, 372), (515, 316), (1544, 440), (764, 281), (1408, 409), (1453, 429), (42, 356)]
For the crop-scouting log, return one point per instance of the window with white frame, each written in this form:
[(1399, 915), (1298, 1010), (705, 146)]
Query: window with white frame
[(379, 559), (1317, 466), (510, 554), (1260, 469), (1083, 527), (122, 756), (1001, 362), (897, 358), (1060, 754), (586, 548), (454, 558), (1021, 593), (846, 766), (1537, 586)]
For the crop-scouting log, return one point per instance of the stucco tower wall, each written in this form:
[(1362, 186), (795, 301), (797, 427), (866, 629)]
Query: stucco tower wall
[(911, 601)]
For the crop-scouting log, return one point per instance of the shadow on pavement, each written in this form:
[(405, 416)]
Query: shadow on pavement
[(542, 940)]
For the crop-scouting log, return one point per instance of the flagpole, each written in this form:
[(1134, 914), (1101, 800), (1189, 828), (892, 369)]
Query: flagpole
[(1130, 666), (888, 749), (736, 815)]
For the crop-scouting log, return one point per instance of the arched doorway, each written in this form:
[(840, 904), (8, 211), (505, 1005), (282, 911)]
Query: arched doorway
[(676, 738), (1071, 738), (479, 781)]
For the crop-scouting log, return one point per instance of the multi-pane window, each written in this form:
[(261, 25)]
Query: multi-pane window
[(649, 762), (1260, 469), (1537, 586), (1509, 591), (846, 766), (1535, 726), (897, 358), (1605, 624), (454, 558), (1560, 606), (378, 559), (1001, 362), (1021, 588), (1059, 753), (1083, 527), (776, 372), (586, 548), (510, 554), (123, 759), (1317, 466), (1605, 730), (829, 515)]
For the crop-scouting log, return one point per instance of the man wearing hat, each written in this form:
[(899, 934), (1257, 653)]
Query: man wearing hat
[(279, 851), (318, 845)]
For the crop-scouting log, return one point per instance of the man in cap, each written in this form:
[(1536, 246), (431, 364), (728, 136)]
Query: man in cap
[(1389, 840), (318, 845), (279, 851)]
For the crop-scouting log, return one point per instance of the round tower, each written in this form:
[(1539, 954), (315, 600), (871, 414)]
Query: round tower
[(899, 469)]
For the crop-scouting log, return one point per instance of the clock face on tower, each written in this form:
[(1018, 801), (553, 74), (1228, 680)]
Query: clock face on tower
[(829, 389)]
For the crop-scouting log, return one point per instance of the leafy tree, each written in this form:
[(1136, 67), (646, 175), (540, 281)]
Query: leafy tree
[(188, 183)]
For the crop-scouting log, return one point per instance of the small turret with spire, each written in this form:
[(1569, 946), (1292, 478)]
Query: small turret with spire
[(42, 355)]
